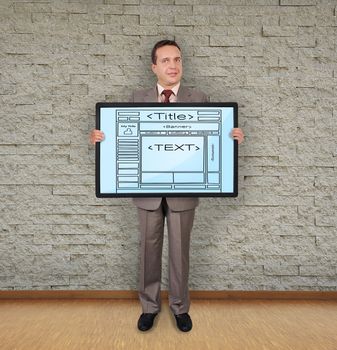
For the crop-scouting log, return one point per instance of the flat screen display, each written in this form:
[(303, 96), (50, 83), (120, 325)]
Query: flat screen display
[(175, 149)]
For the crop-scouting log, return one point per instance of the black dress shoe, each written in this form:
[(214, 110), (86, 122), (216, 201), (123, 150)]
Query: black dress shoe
[(145, 321), (184, 322)]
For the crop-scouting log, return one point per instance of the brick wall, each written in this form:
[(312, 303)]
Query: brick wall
[(276, 58)]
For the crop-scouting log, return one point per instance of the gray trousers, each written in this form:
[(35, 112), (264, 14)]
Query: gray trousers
[(151, 225)]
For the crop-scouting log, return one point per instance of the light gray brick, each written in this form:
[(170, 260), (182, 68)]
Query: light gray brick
[(327, 283), (22, 7), (298, 2), (148, 20), (279, 31), (252, 30), (182, 20), (325, 220), (299, 283), (281, 270), (302, 41), (210, 29), (219, 40), (158, 2), (62, 219), (122, 2), (228, 51), (258, 21), (302, 17), (140, 30), (247, 11), (207, 10), (163, 10), (314, 270), (72, 8)]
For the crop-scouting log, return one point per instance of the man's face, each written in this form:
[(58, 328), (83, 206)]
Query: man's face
[(168, 67)]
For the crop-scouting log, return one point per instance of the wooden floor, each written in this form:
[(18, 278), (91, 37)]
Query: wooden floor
[(111, 324)]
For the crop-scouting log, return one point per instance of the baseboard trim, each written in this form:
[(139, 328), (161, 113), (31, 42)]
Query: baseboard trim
[(195, 294)]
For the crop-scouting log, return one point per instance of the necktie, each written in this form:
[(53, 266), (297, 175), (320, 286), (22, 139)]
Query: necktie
[(167, 94)]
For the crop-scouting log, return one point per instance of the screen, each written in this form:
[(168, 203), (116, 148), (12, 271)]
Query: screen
[(175, 149)]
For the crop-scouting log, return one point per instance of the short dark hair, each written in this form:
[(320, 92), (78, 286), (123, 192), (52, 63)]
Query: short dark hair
[(159, 44)]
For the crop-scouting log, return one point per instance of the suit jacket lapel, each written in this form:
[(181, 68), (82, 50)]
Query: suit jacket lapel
[(151, 95), (183, 94)]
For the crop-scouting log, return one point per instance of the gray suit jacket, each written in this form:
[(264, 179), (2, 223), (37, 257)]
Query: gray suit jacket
[(184, 95)]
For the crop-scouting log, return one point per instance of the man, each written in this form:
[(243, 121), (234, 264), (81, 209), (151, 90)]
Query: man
[(179, 212)]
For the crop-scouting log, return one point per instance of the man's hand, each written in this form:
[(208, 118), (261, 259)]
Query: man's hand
[(238, 135), (96, 136)]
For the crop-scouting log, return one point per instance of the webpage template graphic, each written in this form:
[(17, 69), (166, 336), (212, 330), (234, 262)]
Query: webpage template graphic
[(151, 149)]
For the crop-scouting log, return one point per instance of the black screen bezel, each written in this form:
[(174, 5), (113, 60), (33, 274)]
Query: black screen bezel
[(100, 105)]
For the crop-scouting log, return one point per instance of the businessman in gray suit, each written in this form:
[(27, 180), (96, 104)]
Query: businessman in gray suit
[(179, 212)]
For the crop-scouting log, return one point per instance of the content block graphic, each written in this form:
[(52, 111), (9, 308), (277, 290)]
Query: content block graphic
[(176, 149)]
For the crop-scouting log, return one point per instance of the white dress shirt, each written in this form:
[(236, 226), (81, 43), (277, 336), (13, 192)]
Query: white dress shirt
[(173, 97)]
